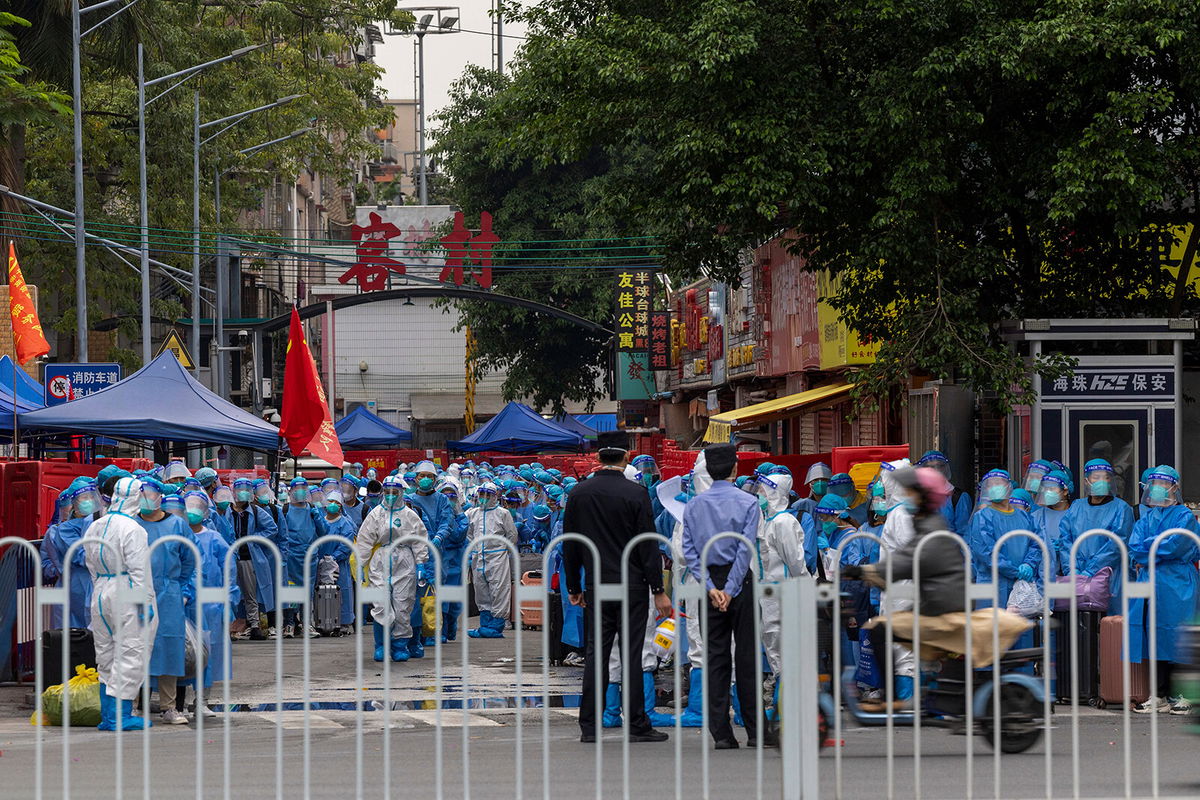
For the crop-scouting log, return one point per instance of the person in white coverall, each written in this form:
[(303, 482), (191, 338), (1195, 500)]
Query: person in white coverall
[(121, 629), (490, 563), (780, 555), (897, 531), (391, 564)]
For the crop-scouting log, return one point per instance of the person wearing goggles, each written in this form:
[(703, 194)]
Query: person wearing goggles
[(388, 549), (1175, 586), (251, 515), (173, 566), (338, 523), (1019, 558), (302, 524), (492, 575)]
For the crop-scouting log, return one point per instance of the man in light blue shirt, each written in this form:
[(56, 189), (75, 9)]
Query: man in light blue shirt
[(725, 571)]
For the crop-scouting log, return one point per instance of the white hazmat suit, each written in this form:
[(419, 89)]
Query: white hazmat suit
[(780, 555), (491, 568), (123, 631), (898, 531), (397, 572)]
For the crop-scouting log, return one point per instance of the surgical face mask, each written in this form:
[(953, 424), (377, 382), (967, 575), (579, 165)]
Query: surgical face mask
[(86, 507), (1158, 494), (1050, 497), (333, 508), (1033, 483), (762, 504), (392, 499), (243, 496), (879, 506), (150, 504), (997, 494), (819, 488), (264, 499), (1100, 488), (300, 494), (425, 484), (195, 517), (828, 527)]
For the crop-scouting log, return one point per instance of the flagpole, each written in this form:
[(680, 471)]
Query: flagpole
[(16, 431)]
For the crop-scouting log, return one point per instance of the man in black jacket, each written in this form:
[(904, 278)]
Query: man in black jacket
[(610, 511)]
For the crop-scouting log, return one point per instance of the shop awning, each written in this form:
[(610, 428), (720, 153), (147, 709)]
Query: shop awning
[(721, 426)]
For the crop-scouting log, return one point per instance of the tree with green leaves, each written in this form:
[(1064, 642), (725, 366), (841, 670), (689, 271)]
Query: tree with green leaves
[(958, 162)]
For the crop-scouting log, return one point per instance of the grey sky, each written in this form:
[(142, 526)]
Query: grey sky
[(445, 55)]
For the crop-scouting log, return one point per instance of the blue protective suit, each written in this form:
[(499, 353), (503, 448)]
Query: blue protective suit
[(809, 525), (261, 523), (804, 505), (957, 511), (860, 511), (572, 631), (867, 552), (1176, 582), (221, 524), (451, 546), (354, 513), (1047, 524), (213, 552), (344, 527), (987, 526), (301, 525), (1095, 552), (173, 568), (436, 511), (65, 534)]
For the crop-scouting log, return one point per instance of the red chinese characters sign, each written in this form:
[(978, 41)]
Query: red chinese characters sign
[(660, 340), (463, 249)]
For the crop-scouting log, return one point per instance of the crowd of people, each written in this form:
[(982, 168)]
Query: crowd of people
[(424, 524)]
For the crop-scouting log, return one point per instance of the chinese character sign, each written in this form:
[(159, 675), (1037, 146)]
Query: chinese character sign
[(29, 340), (371, 261), (463, 246), (1114, 382), (66, 382), (633, 294), (660, 340)]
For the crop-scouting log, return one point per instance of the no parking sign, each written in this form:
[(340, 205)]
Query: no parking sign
[(65, 382)]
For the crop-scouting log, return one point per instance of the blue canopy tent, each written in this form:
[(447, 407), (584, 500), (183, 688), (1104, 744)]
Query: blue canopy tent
[(362, 430), (30, 393), (598, 422), (519, 429), (572, 424), (159, 401)]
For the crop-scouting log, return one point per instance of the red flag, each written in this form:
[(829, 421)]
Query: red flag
[(305, 419), (28, 338)]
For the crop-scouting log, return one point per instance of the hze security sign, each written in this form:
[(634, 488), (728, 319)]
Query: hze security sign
[(66, 382)]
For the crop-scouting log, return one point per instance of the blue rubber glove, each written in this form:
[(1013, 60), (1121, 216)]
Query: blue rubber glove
[(1024, 573), (822, 542)]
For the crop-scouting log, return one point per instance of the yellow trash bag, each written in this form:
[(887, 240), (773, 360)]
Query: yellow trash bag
[(429, 611), (83, 695)]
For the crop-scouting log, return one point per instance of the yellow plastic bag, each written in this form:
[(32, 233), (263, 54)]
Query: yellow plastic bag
[(428, 611), (83, 694)]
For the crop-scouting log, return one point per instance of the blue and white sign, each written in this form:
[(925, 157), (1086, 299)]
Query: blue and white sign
[(66, 382), (1116, 383)]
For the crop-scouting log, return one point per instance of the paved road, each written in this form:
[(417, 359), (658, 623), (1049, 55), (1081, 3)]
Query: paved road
[(403, 737)]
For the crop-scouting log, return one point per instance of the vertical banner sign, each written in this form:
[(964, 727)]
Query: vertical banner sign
[(634, 298), (660, 340)]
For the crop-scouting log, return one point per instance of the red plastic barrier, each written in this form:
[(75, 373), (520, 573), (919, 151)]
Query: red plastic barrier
[(798, 464), (228, 476), (30, 490), (846, 457), (385, 460), (127, 464)]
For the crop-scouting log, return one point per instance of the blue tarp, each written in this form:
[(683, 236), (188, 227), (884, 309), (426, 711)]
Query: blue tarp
[(598, 422), (30, 394), (570, 423), (362, 430), (519, 429), (159, 401)]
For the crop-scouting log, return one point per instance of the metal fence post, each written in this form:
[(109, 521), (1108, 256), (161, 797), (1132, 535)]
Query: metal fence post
[(798, 651)]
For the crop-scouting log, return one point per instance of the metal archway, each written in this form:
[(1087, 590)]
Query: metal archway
[(316, 309)]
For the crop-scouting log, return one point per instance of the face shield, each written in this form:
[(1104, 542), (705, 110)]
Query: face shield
[(393, 492), (348, 489), (372, 474), (173, 504), (1034, 475), (151, 498), (879, 504), (195, 507), (1162, 490), (222, 497), (450, 492), (298, 492), (996, 487), (175, 472), (487, 496), (86, 501), (316, 496), (842, 485), (263, 495), (1021, 499), (935, 460), (1052, 492), (243, 491), (1097, 481)]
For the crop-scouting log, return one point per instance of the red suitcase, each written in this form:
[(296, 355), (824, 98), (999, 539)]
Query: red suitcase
[(1111, 687), (531, 611)]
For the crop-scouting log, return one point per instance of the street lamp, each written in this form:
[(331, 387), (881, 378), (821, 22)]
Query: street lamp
[(222, 258), (179, 77), (430, 20), (197, 127)]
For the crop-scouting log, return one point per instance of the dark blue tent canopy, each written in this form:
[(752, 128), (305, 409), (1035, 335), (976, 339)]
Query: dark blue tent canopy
[(360, 429), (30, 394), (572, 424), (159, 401), (519, 429)]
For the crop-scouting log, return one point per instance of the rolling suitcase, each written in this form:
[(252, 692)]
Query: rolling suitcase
[(1111, 689), (81, 649), (1087, 640), (531, 612), (327, 608)]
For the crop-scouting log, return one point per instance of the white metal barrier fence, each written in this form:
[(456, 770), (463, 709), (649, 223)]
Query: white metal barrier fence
[(379, 757)]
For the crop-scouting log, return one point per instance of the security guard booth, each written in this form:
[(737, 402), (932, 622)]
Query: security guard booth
[(1123, 402)]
